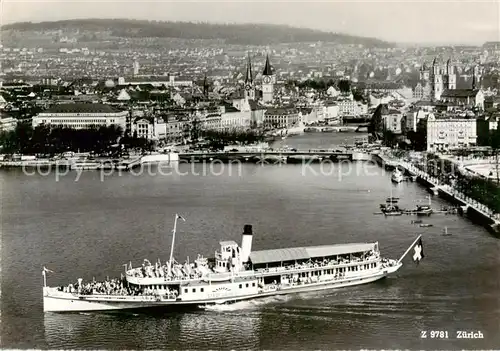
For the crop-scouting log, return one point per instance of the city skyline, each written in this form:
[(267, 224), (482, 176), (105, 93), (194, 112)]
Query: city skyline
[(419, 22)]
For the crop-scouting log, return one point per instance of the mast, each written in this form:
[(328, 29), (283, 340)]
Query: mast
[(173, 240)]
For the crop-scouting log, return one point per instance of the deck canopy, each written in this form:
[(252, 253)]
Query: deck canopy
[(308, 252), (228, 243)]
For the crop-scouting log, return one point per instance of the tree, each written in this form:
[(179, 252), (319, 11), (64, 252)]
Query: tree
[(389, 138), (376, 125), (344, 86), (358, 96), (418, 138)]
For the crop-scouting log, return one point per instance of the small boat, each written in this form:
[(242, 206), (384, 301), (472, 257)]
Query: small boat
[(393, 213), (424, 210), (397, 176), (425, 225), (85, 165), (416, 221), (392, 210)]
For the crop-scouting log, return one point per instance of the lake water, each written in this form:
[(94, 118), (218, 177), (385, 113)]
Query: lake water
[(90, 227)]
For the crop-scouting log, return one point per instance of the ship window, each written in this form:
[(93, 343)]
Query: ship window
[(246, 285), (185, 291), (241, 286), (194, 290), (253, 284), (202, 289)]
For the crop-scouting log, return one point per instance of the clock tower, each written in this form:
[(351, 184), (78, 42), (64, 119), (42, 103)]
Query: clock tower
[(267, 83), (249, 87)]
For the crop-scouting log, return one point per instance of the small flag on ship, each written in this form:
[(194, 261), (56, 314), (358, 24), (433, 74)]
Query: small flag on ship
[(180, 217), (418, 251)]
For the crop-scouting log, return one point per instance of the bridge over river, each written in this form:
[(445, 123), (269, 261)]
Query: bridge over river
[(278, 155)]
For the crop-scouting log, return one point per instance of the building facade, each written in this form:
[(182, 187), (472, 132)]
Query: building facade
[(450, 133), (144, 128), (7, 124), (412, 119), (468, 98), (81, 116), (352, 108), (281, 118), (393, 123), (422, 91)]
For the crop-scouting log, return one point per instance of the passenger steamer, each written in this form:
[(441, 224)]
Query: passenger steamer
[(238, 273)]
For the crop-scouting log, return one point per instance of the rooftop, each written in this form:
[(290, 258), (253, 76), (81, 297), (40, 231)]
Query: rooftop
[(304, 253), (280, 111), (81, 108), (459, 93)]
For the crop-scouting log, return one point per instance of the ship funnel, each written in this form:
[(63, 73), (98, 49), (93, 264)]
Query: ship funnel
[(247, 229), (246, 243)]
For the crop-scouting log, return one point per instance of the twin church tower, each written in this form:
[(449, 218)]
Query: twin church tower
[(443, 77), (268, 80)]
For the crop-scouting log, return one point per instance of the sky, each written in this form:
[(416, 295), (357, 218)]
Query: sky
[(402, 21)]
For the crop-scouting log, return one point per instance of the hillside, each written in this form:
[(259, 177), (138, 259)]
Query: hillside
[(258, 34)]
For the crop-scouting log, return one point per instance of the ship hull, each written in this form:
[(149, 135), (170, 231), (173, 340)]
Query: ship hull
[(55, 301)]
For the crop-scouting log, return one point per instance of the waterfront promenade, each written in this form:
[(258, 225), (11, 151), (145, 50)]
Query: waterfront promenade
[(446, 190)]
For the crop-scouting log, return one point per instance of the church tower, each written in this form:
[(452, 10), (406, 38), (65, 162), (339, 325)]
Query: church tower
[(267, 83), (436, 80), (450, 76), (249, 86), (424, 73), (474, 78)]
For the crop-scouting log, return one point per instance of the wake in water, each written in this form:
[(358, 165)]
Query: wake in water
[(247, 305)]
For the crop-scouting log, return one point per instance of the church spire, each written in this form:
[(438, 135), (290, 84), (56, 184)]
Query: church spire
[(248, 76), (267, 68)]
